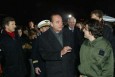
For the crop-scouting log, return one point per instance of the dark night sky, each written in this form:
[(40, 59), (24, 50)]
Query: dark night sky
[(24, 10)]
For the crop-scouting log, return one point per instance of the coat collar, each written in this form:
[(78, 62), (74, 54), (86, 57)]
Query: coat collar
[(54, 40)]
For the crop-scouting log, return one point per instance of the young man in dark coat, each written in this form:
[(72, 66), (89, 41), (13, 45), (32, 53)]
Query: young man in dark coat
[(55, 46), (107, 27), (11, 51)]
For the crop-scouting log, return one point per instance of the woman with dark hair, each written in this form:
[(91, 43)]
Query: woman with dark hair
[(96, 54)]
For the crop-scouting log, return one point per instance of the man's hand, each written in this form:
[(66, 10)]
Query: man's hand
[(37, 70), (65, 50)]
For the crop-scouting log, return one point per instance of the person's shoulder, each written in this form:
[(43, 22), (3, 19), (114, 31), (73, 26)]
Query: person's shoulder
[(108, 25), (65, 28), (2, 37), (44, 34), (105, 45), (85, 42), (104, 42)]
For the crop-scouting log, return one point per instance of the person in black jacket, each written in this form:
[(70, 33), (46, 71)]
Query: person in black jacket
[(11, 51), (77, 38), (56, 48)]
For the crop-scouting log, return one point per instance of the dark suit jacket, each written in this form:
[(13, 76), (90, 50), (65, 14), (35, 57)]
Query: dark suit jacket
[(50, 50)]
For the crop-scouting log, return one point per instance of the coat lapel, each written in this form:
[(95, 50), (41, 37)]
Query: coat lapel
[(54, 41)]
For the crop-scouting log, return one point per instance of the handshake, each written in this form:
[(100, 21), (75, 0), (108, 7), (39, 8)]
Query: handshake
[(65, 50)]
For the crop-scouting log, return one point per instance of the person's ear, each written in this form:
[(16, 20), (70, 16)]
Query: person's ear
[(51, 24)]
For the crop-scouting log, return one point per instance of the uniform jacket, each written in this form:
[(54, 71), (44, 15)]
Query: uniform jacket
[(96, 58), (37, 59)]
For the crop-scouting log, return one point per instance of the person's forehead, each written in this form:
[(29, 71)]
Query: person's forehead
[(31, 22), (45, 27), (72, 20), (10, 22), (57, 16), (57, 19), (93, 14)]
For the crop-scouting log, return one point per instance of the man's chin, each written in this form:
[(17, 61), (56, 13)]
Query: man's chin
[(60, 30), (13, 30)]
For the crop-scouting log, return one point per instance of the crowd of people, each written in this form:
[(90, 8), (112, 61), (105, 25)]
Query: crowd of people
[(52, 49)]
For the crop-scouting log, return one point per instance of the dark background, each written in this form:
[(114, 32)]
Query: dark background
[(37, 10)]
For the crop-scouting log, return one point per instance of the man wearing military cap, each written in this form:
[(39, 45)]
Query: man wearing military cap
[(44, 25), (38, 62)]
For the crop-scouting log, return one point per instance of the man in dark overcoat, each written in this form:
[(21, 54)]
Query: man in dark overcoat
[(56, 48), (11, 56)]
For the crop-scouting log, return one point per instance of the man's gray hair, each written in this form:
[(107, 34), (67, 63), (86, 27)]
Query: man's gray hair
[(72, 18)]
